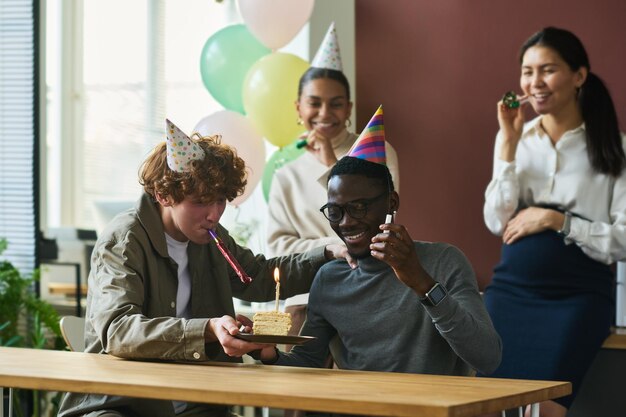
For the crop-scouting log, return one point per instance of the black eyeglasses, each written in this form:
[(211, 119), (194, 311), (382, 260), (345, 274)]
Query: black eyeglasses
[(356, 209)]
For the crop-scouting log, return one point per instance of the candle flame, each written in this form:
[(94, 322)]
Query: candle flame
[(276, 275)]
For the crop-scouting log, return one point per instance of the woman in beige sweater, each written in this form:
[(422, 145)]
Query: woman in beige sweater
[(299, 188)]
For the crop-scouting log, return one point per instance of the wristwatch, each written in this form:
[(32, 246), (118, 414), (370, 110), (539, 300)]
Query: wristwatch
[(567, 221), (435, 295)]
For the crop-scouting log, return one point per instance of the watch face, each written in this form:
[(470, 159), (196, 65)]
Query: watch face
[(436, 294)]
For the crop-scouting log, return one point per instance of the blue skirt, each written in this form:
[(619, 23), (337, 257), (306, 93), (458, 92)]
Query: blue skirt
[(553, 307)]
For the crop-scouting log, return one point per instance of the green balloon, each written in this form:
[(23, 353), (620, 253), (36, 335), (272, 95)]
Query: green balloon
[(279, 158), (226, 58)]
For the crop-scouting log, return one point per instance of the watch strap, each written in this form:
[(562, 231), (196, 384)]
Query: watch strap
[(567, 222), (434, 296)]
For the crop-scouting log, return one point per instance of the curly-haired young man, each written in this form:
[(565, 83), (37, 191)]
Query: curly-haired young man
[(159, 288)]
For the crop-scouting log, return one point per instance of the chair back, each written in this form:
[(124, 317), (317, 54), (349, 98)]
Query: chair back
[(73, 331)]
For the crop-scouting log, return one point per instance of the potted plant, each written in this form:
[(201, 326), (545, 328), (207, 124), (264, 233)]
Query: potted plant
[(25, 319)]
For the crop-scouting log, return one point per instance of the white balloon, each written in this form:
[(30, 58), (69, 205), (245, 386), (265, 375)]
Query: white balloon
[(239, 132), (275, 22)]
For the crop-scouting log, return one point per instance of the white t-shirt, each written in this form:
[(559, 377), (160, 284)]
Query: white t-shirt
[(178, 252)]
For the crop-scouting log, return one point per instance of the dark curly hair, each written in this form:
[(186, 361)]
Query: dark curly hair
[(349, 165), (220, 174)]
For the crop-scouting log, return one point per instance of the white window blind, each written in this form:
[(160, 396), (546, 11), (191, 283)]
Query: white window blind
[(18, 129)]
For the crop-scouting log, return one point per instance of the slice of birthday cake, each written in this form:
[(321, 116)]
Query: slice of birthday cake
[(271, 322)]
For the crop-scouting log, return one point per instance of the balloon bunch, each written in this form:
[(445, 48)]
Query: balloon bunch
[(257, 85)]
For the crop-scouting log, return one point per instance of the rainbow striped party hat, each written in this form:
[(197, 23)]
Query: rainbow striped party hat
[(328, 55), (181, 150), (370, 144)]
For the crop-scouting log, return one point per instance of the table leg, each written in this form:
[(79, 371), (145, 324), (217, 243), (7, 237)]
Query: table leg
[(10, 412), (534, 410), (79, 293), (520, 411)]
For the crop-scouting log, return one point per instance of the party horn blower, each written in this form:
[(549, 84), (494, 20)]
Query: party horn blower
[(512, 101), (245, 278), (302, 140)]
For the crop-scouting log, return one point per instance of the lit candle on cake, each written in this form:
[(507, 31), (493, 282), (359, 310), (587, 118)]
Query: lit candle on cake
[(277, 279), (273, 322)]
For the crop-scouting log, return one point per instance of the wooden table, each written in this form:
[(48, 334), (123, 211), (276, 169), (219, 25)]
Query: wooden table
[(356, 392), (616, 340), (63, 288)]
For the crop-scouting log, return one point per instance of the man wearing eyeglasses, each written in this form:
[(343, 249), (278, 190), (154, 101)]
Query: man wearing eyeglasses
[(409, 306)]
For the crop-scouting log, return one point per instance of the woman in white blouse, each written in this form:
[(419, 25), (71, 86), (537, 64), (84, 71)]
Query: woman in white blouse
[(558, 199)]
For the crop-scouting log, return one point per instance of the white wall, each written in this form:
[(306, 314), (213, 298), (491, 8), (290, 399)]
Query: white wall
[(342, 13)]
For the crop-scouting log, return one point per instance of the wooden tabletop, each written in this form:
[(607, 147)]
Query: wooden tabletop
[(65, 288), (617, 339), (330, 390)]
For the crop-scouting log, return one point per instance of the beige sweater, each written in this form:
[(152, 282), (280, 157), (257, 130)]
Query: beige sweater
[(295, 223)]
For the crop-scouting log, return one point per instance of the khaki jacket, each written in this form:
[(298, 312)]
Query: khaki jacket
[(131, 300)]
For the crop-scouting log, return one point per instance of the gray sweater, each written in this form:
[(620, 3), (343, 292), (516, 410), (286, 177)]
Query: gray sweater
[(382, 325)]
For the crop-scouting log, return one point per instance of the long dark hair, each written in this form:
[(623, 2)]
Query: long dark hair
[(604, 142), (314, 73)]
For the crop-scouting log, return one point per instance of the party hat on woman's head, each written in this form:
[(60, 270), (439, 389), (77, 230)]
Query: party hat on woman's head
[(181, 150), (328, 55), (370, 144)]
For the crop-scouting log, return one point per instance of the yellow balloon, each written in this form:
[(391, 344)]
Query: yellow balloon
[(269, 92)]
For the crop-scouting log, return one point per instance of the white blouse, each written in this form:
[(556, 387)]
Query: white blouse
[(560, 175)]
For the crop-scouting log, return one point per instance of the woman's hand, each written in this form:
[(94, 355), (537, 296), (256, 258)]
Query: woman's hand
[(321, 148), (529, 221), (396, 248), (339, 251), (511, 123)]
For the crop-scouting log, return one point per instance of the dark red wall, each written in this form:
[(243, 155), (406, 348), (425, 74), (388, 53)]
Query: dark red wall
[(439, 67)]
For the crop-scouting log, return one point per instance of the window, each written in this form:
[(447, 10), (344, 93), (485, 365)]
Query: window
[(18, 131), (116, 69)]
